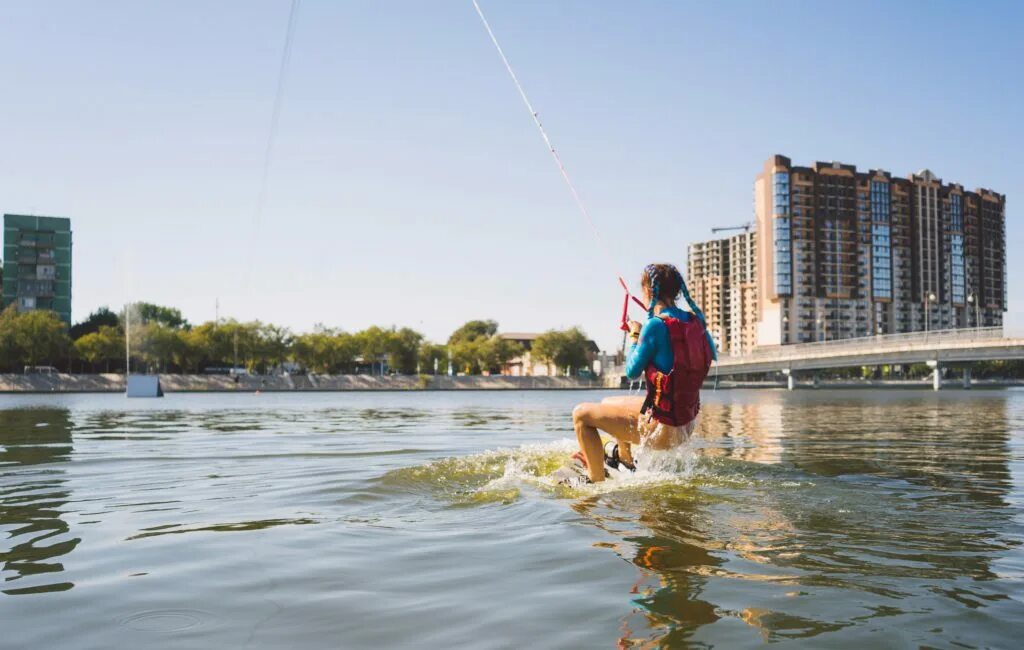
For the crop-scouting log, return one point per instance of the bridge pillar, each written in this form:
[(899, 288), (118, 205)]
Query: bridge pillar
[(936, 378), (790, 381), (967, 378)]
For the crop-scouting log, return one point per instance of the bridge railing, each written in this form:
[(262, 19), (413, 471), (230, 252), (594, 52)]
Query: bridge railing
[(866, 343)]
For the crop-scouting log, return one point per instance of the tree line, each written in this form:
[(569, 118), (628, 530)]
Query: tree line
[(162, 340)]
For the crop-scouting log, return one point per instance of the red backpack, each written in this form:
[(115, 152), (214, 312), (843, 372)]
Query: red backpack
[(674, 398)]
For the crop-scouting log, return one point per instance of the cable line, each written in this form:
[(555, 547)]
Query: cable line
[(558, 161)]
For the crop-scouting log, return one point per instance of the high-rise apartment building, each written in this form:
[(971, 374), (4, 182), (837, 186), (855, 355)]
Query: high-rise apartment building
[(37, 264), (743, 312), (721, 276), (842, 253)]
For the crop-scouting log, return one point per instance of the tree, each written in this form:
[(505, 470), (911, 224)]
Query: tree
[(313, 350), (466, 355), (102, 317), (403, 347), (215, 344), (103, 346), (566, 349), (273, 344), (372, 344), (31, 338), (157, 346), (431, 352), (473, 330), (325, 350), (146, 312), (476, 347), (8, 349), (496, 352)]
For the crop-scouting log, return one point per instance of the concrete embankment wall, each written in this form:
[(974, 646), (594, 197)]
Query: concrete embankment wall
[(114, 383)]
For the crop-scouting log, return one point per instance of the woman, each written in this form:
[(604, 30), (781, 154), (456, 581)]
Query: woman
[(673, 351)]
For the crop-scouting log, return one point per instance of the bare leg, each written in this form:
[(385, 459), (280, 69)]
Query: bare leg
[(634, 402), (590, 443), (615, 418), (626, 453)]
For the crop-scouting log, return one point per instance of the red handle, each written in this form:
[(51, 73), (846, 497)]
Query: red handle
[(625, 305)]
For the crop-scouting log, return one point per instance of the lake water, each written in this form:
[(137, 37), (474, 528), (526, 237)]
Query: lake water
[(821, 518)]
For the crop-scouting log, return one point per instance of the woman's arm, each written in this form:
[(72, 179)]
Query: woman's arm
[(640, 354)]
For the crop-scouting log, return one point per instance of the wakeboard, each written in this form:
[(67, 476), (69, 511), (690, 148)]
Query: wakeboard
[(572, 474)]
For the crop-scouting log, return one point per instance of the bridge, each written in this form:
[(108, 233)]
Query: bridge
[(936, 348)]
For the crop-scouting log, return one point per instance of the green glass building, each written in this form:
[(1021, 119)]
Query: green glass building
[(37, 264)]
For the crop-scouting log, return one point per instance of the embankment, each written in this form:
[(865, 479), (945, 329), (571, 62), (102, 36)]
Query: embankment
[(114, 383)]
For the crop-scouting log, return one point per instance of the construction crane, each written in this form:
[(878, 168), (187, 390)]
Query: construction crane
[(746, 226)]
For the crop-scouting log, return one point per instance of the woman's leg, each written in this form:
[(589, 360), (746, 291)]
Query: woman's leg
[(634, 402), (616, 418)]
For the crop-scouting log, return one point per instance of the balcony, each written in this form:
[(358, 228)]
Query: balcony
[(36, 288)]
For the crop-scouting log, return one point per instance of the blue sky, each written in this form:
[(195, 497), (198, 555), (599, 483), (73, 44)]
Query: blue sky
[(408, 184)]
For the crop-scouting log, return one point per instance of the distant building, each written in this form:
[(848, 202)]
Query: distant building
[(37, 264), (742, 321), (721, 275), (526, 366), (707, 273), (842, 253)]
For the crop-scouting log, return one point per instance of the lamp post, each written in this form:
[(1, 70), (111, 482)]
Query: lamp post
[(928, 310), (823, 324), (973, 299)]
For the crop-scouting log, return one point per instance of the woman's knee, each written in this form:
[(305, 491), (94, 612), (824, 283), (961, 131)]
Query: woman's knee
[(583, 412)]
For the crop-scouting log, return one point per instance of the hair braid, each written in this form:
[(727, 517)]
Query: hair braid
[(655, 289), (696, 310)]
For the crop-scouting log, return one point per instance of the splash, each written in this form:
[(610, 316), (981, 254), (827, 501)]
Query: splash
[(502, 475)]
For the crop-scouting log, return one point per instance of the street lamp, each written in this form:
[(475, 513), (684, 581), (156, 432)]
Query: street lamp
[(823, 325), (973, 299), (928, 310)]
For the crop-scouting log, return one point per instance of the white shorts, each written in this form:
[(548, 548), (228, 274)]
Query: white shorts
[(659, 435)]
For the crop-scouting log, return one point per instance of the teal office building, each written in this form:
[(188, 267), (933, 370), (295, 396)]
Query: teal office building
[(37, 264)]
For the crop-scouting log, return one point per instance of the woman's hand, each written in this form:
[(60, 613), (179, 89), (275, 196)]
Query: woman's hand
[(634, 329)]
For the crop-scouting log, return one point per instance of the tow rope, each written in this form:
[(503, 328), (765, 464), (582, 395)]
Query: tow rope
[(561, 168)]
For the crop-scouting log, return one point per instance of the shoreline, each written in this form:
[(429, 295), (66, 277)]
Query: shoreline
[(177, 383), (174, 383)]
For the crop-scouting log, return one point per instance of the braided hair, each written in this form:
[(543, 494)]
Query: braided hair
[(666, 283)]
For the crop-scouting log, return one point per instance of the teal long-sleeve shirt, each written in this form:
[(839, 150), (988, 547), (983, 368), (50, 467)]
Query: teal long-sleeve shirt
[(654, 345)]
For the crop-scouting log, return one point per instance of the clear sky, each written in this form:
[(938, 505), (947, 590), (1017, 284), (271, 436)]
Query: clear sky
[(408, 184)]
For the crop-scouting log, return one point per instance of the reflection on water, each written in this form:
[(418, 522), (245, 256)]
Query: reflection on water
[(861, 519), (33, 444), (903, 510)]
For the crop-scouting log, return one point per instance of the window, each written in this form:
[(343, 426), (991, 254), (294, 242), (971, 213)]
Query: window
[(781, 192), (783, 240), (956, 270), (881, 241), (956, 212), (783, 257)]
